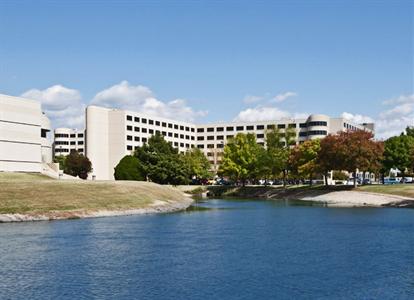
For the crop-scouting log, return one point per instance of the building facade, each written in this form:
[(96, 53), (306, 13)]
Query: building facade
[(67, 139), (111, 134), (24, 129)]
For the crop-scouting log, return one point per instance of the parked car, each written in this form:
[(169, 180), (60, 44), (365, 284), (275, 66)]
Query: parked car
[(367, 181), (390, 181), (407, 180)]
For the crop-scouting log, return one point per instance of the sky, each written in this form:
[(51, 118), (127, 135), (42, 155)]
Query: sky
[(211, 61)]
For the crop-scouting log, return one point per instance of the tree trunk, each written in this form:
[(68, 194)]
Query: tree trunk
[(284, 178), (355, 179), (310, 179), (326, 178), (383, 178)]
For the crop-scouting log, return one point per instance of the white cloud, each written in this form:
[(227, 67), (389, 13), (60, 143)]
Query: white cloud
[(282, 97), (266, 113), (393, 120), (141, 99), (249, 99), (61, 104)]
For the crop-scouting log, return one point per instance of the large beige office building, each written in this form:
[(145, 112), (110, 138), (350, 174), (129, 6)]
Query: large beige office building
[(112, 133), (24, 143), (67, 139)]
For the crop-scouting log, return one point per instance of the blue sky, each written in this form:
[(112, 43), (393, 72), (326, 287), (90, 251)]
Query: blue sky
[(221, 60)]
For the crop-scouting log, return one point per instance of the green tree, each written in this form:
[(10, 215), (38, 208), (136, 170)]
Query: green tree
[(410, 131), (240, 160), (196, 163), (278, 145), (129, 168), (77, 165), (398, 153), (331, 155), (160, 162), (303, 159), (61, 159)]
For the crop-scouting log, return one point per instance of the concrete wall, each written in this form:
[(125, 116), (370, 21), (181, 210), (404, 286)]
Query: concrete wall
[(21, 146)]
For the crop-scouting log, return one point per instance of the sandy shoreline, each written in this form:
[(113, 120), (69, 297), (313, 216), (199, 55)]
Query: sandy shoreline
[(155, 207), (357, 199)]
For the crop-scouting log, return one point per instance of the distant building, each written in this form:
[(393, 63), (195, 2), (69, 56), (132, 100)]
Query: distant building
[(24, 143), (112, 133), (66, 140)]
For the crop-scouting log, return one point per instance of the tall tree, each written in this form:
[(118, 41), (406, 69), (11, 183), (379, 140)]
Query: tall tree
[(303, 159), (410, 131), (278, 146), (330, 156), (196, 163), (398, 153), (240, 160)]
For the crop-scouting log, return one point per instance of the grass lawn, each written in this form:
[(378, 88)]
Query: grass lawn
[(406, 190), (35, 193)]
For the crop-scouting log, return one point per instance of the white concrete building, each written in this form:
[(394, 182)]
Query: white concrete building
[(111, 134), (67, 139), (24, 143)]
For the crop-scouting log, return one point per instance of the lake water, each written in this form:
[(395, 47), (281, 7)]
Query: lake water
[(235, 250)]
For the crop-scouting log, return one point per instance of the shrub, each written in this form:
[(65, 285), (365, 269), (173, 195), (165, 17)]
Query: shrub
[(129, 168)]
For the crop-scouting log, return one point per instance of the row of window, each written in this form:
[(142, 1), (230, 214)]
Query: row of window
[(67, 143), (350, 127), (249, 127), (176, 144), (64, 150), (221, 137), (158, 123), (152, 131), (318, 123), (65, 135)]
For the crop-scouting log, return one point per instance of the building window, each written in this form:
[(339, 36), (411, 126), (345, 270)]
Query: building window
[(220, 137), (164, 133), (61, 135), (210, 154), (192, 138), (181, 136), (200, 129), (187, 145), (229, 128), (136, 129), (151, 122), (80, 150), (80, 142), (164, 124), (150, 131), (200, 146), (176, 135), (129, 147), (192, 129), (210, 146), (129, 118), (303, 133), (210, 129), (240, 128), (200, 138), (293, 125), (144, 121), (270, 126), (175, 126), (144, 140), (220, 129), (260, 136), (181, 144), (187, 137), (170, 134), (220, 145), (80, 135), (129, 137), (281, 126), (157, 123), (317, 132), (187, 128), (136, 119), (73, 143), (136, 139), (181, 127), (230, 136), (210, 138), (260, 127), (317, 123), (302, 125), (144, 130), (250, 127), (73, 135), (170, 125), (129, 127)]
